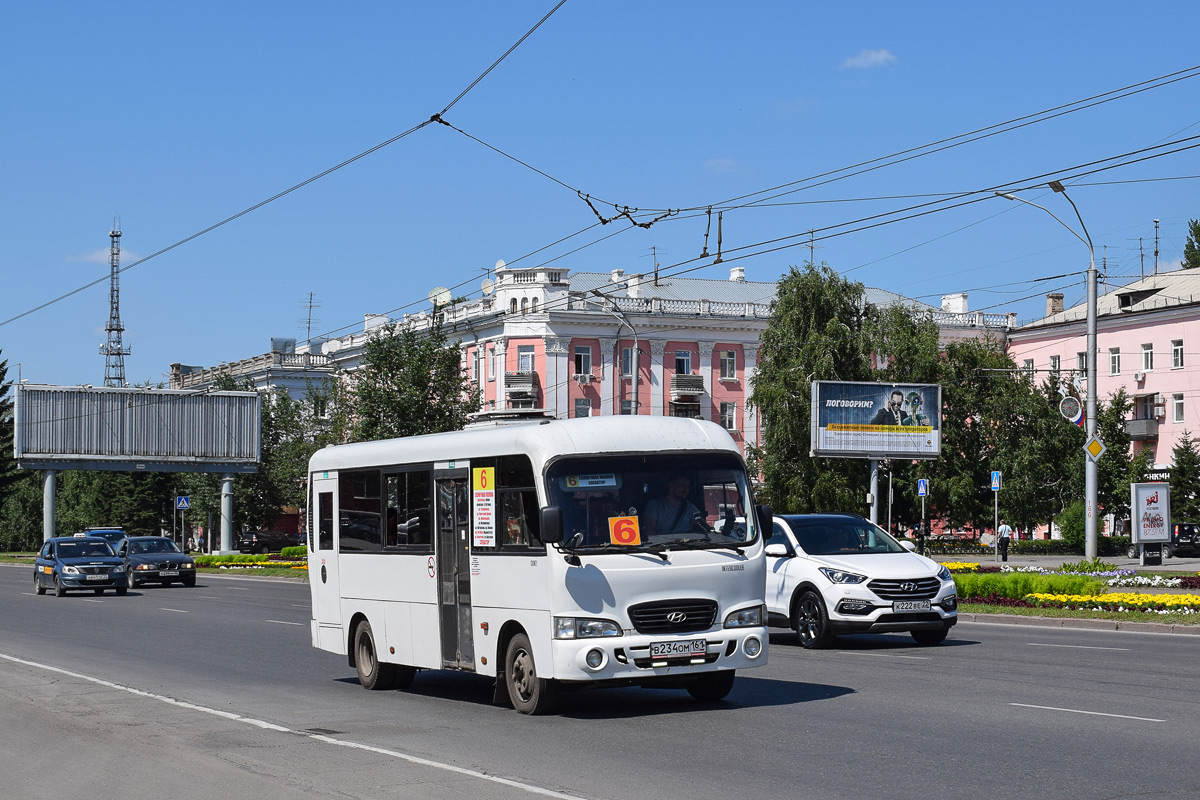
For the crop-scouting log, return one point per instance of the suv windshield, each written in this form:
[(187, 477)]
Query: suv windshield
[(655, 502), (838, 537)]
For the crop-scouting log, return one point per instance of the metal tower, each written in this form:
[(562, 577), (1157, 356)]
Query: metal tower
[(113, 351)]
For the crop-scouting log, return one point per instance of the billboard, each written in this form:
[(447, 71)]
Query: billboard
[(876, 420), (1150, 512), (156, 430)]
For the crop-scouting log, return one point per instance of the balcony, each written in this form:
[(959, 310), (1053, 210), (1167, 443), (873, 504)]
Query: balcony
[(686, 386), (1141, 430), (520, 385)]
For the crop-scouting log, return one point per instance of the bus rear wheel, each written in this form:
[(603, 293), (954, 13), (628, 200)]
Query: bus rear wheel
[(372, 673), (529, 693)]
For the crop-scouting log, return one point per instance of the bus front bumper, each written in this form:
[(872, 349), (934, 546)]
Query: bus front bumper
[(630, 658)]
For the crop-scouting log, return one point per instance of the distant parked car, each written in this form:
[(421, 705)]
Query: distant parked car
[(156, 559), (829, 574), (266, 541), (78, 562), (1185, 539)]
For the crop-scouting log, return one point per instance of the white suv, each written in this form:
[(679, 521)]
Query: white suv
[(829, 574)]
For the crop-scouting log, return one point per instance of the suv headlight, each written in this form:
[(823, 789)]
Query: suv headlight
[(841, 576), (584, 628), (944, 574), (745, 618)]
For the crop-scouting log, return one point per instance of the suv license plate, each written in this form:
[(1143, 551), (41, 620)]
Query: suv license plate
[(910, 605), (96, 577), (689, 649)]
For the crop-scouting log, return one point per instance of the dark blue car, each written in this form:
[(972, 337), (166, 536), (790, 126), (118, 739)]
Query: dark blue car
[(78, 562)]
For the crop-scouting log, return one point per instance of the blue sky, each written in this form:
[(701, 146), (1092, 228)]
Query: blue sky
[(176, 117)]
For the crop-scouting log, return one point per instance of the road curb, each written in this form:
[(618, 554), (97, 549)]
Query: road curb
[(1084, 624)]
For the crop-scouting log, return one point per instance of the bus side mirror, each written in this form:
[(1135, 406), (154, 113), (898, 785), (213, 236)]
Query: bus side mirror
[(551, 528), (765, 519)]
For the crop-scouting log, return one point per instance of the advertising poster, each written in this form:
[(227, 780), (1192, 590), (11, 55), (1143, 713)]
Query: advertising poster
[(483, 487), (876, 420), (1150, 512)]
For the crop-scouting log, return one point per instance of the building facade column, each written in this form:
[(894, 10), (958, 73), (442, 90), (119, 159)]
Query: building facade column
[(558, 376), (750, 356), (706, 406), (657, 348), (501, 399), (610, 382)]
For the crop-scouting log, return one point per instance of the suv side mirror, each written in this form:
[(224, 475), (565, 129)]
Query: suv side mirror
[(908, 545), (777, 550), (765, 519), (551, 528)]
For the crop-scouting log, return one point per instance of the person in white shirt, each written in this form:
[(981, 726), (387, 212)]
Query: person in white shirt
[(1002, 536)]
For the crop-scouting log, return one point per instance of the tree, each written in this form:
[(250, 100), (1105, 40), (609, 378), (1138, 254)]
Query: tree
[(9, 474), (822, 328), (1185, 479), (1117, 468), (1191, 248), (410, 382)]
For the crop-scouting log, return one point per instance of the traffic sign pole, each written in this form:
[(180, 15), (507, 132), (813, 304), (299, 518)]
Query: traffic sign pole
[(996, 517)]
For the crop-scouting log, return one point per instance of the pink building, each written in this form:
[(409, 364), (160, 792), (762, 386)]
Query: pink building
[(1143, 336)]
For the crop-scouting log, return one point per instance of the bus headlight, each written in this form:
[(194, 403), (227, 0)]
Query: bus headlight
[(595, 659), (745, 618), (752, 646), (584, 628)]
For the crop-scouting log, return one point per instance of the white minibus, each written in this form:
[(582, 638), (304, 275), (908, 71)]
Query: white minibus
[(545, 553)]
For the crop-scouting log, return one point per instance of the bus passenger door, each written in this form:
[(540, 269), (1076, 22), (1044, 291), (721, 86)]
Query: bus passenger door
[(323, 564), (453, 525)]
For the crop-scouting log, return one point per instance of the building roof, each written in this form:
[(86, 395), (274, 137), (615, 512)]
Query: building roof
[(1160, 292)]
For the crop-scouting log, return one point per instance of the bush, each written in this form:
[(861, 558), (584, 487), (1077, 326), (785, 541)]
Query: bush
[(294, 552), (1073, 524), (1015, 585)]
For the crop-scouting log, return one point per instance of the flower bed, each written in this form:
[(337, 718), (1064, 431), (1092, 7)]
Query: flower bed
[(1120, 601)]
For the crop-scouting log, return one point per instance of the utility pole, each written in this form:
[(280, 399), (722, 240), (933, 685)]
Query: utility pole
[(113, 351), (1155, 247)]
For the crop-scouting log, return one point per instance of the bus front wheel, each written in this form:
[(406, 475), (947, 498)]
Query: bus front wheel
[(372, 673), (529, 693), (712, 686)]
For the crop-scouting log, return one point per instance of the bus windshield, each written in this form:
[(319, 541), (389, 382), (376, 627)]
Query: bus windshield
[(681, 501)]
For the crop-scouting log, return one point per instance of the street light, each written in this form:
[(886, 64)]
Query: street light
[(1089, 463), (616, 312)]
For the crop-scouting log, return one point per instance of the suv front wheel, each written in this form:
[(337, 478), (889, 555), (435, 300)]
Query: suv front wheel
[(812, 622)]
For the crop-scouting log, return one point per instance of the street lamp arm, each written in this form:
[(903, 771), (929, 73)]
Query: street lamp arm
[(1075, 233)]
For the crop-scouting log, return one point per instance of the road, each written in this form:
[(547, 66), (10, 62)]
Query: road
[(186, 693)]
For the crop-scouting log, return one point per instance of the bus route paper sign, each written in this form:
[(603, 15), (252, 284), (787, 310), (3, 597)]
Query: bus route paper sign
[(483, 487), (1150, 512), (624, 531)]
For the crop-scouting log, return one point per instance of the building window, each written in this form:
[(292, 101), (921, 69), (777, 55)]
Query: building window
[(1177, 354), (533, 306), (1114, 361), (512, 306), (1081, 362), (729, 416), (1027, 368), (1143, 407), (728, 365), (1147, 357), (1055, 364), (626, 362), (475, 355), (524, 358), (583, 407), (689, 410), (521, 404), (583, 359), (626, 408), (491, 363), (524, 305), (683, 362), (1177, 407)]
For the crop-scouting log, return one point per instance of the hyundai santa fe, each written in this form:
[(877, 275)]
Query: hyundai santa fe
[(831, 574)]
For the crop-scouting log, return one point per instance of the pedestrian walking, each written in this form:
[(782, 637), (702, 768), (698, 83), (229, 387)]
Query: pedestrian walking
[(1002, 535)]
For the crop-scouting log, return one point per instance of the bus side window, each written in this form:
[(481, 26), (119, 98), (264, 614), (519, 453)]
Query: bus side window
[(325, 521), (408, 503)]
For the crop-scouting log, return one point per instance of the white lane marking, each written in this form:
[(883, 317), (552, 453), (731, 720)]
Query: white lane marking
[(301, 605), (207, 597), (175, 610), (281, 622), (91, 600), (1093, 713), (882, 655), (1075, 646), (425, 762)]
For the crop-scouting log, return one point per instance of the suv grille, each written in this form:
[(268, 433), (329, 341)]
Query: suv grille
[(698, 615), (906, 589)]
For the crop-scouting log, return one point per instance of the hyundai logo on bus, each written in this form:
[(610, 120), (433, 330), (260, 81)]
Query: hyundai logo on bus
[(676, 617)]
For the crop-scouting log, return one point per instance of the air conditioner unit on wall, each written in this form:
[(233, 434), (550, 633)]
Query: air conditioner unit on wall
[(1139, 376), (584, 377)]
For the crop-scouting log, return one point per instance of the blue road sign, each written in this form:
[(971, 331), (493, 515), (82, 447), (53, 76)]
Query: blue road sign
[(922, 487), (995, 480), (183, 503)]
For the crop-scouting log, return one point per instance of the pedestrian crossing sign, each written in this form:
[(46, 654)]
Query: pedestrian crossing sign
[(183, 503)]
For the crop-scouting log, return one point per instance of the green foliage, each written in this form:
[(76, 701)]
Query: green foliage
[(1073, 524), (1185, 479), (294, 552), (1095, 565), (1016, 585), (1191, 248), (1116, 469), (9, 474)]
